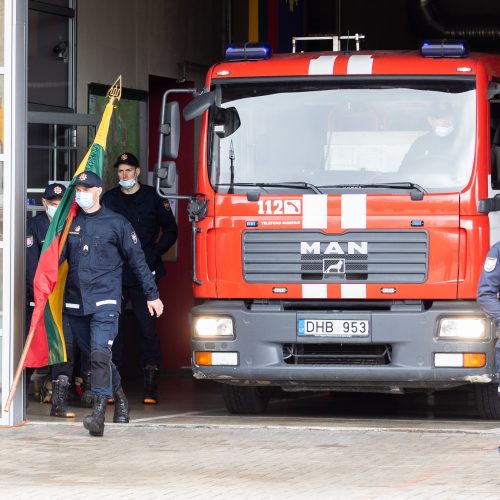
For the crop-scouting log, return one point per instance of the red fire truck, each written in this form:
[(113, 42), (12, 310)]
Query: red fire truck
[(346, 204)]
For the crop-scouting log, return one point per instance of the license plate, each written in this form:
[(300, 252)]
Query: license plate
[(333, 327)]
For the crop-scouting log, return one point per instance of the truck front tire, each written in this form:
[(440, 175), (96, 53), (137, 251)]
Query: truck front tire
[(487, 401), (245, 400)]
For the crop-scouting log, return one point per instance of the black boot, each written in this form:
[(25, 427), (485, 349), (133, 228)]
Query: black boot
[(60, 398), (95, 423), (87, 399), (150, 385), (121, 407)]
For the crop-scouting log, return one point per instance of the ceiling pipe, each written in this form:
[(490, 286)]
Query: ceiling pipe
[(473, 31)]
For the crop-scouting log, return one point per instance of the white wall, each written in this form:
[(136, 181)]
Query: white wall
[(136, 38)]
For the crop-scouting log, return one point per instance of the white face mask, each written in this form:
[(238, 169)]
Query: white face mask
[(443, 131), (51, 210), (128, 183), (85, 200)]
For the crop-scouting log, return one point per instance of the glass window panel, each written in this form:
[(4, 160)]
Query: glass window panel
[(357, 132), (51, 155), (48, 59)]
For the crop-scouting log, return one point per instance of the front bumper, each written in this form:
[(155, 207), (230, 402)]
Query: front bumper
[(262, 331)]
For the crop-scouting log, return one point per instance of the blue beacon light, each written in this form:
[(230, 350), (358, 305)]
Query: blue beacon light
[(249, 51), (444, 48)]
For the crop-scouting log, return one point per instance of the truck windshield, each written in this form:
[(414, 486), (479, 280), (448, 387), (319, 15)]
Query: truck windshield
[(344, 132)]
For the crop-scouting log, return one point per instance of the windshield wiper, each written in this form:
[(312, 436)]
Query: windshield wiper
[(419, 195), (263, 185)]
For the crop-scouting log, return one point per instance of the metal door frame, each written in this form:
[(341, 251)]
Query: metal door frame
[(14, 212)]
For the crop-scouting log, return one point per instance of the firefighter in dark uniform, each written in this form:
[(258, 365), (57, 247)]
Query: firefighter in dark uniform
[(155, 226), (488, 289), (37, 228), (99, 242), (432, 150)]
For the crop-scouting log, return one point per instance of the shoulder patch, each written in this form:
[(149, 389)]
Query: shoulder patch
[(490, 264), (134, 237), (29, 241)]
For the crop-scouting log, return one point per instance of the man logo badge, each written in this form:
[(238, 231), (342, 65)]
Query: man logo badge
[(333, 266)]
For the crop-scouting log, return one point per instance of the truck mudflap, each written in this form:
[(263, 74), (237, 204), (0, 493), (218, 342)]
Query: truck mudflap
[(389, 347)]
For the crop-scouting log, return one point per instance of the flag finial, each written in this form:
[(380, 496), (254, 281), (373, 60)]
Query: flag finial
[(115, 91)]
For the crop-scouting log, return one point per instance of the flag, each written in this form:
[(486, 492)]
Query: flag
[(47, 345), (276, 22)]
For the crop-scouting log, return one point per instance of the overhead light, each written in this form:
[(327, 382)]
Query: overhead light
[(444, 48), (248, 51)]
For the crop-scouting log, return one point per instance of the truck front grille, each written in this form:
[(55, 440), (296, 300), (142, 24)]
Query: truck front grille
[(397, 256), (337, 354)]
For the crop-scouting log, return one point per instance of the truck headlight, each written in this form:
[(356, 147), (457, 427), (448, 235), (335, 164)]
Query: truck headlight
[(213, 327), (463, 328)]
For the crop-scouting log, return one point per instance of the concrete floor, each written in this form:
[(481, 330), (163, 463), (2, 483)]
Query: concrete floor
[(186, 401)]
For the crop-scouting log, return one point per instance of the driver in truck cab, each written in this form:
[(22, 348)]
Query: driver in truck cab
[(433, 148)]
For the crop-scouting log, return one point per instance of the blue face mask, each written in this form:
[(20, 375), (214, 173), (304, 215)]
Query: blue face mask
[(51, 210), (128, 183), (85, 200)]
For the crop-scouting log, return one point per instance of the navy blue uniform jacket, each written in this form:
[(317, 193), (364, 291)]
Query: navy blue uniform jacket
[(36, 230), (489, 284), (98, 245), (152, 220)]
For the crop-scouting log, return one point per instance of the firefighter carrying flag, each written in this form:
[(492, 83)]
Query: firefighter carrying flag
[(45, 341)]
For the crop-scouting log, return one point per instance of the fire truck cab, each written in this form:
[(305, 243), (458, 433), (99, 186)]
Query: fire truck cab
[(346, 204)]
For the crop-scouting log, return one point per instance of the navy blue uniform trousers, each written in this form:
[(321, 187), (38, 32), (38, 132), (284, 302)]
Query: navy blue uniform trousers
[(150, 343), (94, 335)]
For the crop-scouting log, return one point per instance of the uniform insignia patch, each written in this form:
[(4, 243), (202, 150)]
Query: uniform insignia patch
[(490, 264), (77, 229), (123, 157), (82, 177), (166, 204), (57, 190), (29, 241), (134, 237), (85, 248)]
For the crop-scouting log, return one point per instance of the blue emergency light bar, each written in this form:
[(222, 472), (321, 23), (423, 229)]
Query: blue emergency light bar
[(444, 48), (249, 51)]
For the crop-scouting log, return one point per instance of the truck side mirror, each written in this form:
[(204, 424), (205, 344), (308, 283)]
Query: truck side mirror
[(167, 173), (198, 105), (227, 121), (171, 130)]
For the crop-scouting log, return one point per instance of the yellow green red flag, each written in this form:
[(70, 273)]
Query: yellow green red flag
[(48, 346)]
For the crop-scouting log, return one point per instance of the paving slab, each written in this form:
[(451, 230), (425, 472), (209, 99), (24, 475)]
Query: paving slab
[(306, 445)]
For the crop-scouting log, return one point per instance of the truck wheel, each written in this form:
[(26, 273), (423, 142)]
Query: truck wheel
[(487, 401), (252, 400)]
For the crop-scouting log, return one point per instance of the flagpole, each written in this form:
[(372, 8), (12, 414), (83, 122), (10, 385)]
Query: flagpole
[(114, 94)]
